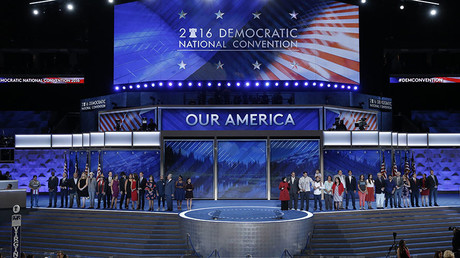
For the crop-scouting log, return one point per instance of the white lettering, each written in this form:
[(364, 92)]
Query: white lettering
[(187, 119)]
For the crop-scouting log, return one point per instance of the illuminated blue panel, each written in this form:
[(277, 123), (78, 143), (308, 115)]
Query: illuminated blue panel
[(194, 160), (147, 161), (358, 161), (242, 169), (288, 156)]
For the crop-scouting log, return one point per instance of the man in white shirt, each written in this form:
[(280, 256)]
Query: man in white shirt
[(318, 189), (304, 186), (341, 176)]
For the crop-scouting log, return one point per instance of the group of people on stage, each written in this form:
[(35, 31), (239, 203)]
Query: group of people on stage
[(132, 189), (394, 191)]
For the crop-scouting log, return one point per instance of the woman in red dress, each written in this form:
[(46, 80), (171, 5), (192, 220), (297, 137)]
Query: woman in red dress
[(284, 194), (425, 191), (134, 192), (337, 192)]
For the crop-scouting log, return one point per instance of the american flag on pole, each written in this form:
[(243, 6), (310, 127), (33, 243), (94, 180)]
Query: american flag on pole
[(383, 169), (87, 163), (65, 164), (412, 161), (406, 166), (395, 167), (99, 166), (76, 162)]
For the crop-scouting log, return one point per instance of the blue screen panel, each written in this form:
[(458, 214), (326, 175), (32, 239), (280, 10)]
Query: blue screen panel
[(242, 169), (288, 156), (194, 160), (147, 161), (358, 161)]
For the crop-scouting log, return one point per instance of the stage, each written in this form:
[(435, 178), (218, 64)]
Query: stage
[(364, 233)]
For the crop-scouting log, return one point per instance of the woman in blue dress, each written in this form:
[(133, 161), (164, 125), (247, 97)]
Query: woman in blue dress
[(180, 192), (151, 190)]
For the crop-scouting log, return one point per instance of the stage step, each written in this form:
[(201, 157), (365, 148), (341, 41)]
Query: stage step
[(369, 233), (98, 233)]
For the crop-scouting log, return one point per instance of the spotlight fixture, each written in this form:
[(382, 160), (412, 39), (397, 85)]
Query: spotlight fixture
[(363, 1), (401, 7), (35, 12), (70, 7), (433, 12), (110, 1)]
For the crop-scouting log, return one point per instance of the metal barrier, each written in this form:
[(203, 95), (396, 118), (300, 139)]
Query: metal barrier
[(190, 247)]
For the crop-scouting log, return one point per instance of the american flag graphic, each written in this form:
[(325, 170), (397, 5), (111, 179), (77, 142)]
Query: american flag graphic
[(87, 163), (383, 169), (413, 170), (76, 162), (327, 48), (99, 165), (406, 166), (129, 121)]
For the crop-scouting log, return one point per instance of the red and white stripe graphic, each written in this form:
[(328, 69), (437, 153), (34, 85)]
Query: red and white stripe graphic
[(129, 121), (327, 48), (350, 118)]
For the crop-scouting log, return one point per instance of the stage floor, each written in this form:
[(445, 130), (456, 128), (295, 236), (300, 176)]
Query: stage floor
[(443, 200)]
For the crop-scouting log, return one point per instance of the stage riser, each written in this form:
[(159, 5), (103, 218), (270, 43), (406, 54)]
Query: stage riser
[(99, 233), (370, 233)]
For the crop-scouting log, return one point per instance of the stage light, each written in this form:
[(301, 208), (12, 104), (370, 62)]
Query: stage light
[(190, 84), (180, 84), (296, 84), (229, 84), (153, 84), (257, 84), (145, 85), (110, 1), (321, 84), (219, 84), (355, 88), (199, 84), (138, 86), (335, 86), (70, 6), (209, 84), (35, 12), (349, 87), (170, 84), (130, 86), (160, 84), (343, 87), (363, 1), (314, 84), (401, 7), (305, 84), (276, 84), (328, 85), (238, 84), (286, 84), (117, 88), (247, 84), (124, 87), (433, 12), (267, 84)]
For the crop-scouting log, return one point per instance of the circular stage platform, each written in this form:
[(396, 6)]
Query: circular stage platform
[(239, 231)]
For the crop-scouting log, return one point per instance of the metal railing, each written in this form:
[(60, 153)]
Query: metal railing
[(191, 248)]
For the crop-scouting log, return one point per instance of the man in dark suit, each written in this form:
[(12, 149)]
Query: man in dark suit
[(141, 188), (53, 183), (415, 190), (293, 191), (433, 185), (379, 190), (122, 189), (63, 184), (108, 190), (350, 189), (169, 192), (73, 190), (398, 190)]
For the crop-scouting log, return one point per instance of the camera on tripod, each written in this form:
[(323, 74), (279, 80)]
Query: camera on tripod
[(362, 124)]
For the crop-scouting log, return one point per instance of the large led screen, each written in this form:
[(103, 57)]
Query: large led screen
[(192, 159), (242, 169), (288, 156), (358, 161), (236, 40)]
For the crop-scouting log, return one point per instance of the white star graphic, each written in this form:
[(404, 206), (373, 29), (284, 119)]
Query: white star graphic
[(182, 65), (257, 15), (294, 65), (220, 65), (293, 15), (257, 65), (219, 15), (182, 14)]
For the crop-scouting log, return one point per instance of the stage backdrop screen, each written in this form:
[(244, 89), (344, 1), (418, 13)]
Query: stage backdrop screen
[(236, 40)]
